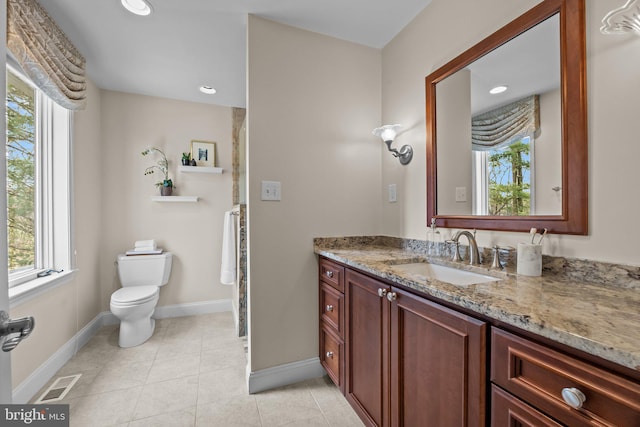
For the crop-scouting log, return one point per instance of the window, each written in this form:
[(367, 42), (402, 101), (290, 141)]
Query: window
[(503, 179), (38, 181)]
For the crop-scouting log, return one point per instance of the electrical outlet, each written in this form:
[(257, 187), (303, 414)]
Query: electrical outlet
[(270, 190), (461, 194), (393, 194)]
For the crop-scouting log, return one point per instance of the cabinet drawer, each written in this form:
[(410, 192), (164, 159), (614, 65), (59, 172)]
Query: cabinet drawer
[(332, 274), (332, 309), (508, 411), (538, 375), (332, 356)]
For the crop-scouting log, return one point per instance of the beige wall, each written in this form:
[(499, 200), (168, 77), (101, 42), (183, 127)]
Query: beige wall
[(548, 155), (62, 312), (612, 62), (191, 231), (453, 98), (312, 104)]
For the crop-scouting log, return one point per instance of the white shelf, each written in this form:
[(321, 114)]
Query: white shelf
[(174, 199), (199, 169)]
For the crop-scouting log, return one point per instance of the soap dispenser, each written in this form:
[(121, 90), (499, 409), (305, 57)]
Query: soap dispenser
[(434, 239)]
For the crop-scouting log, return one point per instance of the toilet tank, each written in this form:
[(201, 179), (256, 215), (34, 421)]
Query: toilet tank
[(141, 270)]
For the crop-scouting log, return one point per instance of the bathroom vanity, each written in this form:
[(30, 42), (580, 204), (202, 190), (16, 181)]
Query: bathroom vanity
[(499, 349)]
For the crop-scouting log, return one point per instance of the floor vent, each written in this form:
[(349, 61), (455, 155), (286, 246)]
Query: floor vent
[(59, 389)]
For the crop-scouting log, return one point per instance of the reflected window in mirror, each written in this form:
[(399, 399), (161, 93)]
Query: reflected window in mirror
[(502, 181), (504, 159)]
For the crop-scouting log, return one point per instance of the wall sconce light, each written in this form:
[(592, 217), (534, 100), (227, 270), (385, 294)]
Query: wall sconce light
[(388, 134)]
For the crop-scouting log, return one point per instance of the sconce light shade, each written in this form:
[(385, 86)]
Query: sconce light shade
[(137, 7), (625, 19), (388, 134)]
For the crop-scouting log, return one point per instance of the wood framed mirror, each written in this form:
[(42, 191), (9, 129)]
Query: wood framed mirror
[(461, 201)]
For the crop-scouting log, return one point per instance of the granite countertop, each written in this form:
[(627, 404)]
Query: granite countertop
[(599, 319)]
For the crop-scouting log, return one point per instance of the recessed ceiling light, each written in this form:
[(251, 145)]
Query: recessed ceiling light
[(139, 7), (207, 89), (498, 89)]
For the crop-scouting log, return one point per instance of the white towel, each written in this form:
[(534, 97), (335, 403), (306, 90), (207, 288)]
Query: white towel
[(228, 262), (145, 244)]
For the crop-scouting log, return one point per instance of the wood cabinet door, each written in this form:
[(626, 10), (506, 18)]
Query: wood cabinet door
[(367, 317), (438, 365)]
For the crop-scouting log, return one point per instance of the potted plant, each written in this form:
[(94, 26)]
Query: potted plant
[(186, 159), (166, 185)]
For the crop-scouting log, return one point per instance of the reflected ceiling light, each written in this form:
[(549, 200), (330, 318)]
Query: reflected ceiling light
[(498, 89), (207, 89), (138, 7), (388, 134), (622, 20)]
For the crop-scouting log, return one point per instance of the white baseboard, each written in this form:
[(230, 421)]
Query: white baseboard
[(278, 376), (192, 309), (27, 389)]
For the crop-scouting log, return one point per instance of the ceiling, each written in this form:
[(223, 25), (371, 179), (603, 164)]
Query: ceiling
[(184, 44), (528, 64)]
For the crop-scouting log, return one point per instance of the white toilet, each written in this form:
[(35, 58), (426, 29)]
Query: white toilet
[(141, 277)]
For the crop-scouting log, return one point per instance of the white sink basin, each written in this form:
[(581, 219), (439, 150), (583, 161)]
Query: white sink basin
[(441, 273)]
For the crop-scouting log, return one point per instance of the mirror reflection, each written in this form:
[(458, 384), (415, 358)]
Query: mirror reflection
[(499, 130)]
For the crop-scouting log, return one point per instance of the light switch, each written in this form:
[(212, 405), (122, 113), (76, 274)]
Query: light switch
[(461, 194), (393, 193), (270, 190)]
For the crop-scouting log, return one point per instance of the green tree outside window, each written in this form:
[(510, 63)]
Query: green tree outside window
[(21, 166), (510, 180)]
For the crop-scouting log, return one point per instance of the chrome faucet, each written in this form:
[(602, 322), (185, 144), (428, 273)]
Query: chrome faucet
[(474, 254)]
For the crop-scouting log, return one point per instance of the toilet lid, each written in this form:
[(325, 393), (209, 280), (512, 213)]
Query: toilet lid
[(134, 294)]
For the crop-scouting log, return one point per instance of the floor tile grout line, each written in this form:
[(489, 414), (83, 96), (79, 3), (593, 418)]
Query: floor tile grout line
[(260, 416), (324, 415)]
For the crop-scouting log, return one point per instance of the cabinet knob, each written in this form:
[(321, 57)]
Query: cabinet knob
[(329, 308), (329, 273), (329, 354), (382, 292), (573, 397), (392, 296)]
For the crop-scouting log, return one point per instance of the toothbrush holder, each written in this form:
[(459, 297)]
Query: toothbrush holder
[(529, 259)]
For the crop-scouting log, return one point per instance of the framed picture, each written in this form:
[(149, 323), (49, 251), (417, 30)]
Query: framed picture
[(204, 153)]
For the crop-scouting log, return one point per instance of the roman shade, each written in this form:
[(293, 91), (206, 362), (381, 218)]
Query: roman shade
[(505, 125), (45, 54)]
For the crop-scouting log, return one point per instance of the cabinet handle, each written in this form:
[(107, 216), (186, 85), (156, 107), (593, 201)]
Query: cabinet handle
[(392, 296), (573, 397), (382, 292), (329, 354), (329, 308), (329, 273)]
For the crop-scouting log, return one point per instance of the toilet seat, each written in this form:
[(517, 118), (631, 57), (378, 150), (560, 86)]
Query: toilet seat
[(134, 295)]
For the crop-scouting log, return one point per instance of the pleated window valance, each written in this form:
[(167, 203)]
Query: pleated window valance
[(505, 125), (45, 54)]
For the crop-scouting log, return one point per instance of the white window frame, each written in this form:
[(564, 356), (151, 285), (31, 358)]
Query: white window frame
[(480, 179), (53, 205)]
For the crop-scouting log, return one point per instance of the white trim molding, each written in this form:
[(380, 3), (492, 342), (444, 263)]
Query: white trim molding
[(27, 389), (193, 308), (278, 376)]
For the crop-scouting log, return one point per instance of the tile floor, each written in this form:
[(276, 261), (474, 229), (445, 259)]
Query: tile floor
[(190, 373)]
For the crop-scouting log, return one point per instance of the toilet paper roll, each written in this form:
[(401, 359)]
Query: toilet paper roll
[(529, 259)]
